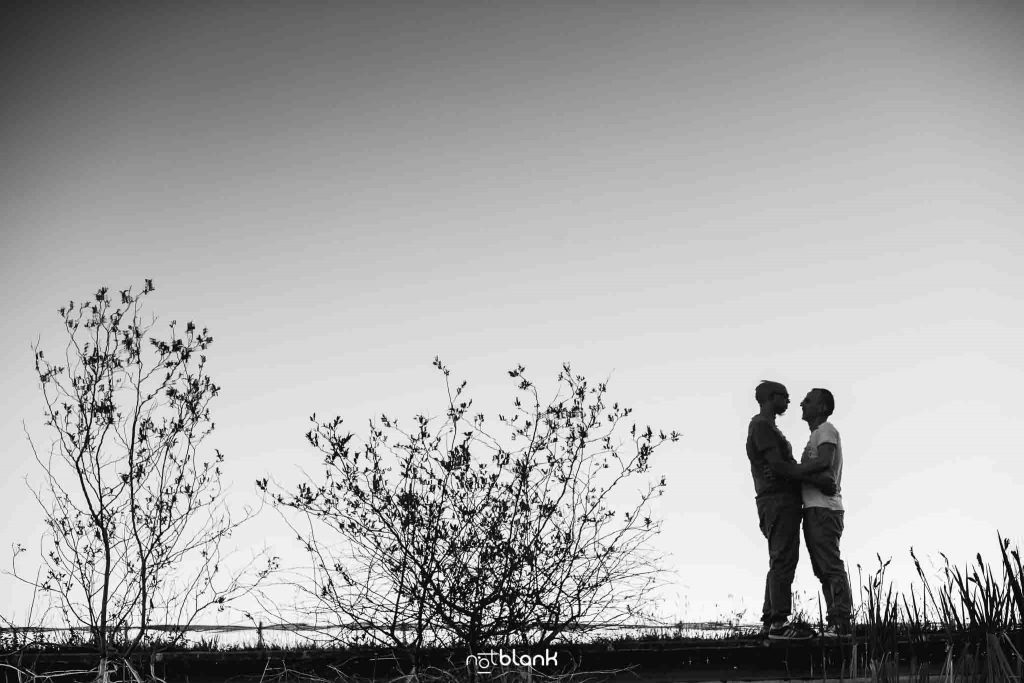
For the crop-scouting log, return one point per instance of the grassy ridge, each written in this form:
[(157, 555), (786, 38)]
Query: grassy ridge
[(967, 624)]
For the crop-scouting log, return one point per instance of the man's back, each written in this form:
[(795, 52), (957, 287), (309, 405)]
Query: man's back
[(763, 435)]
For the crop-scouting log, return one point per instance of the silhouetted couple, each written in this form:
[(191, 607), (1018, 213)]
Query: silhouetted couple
[(789, 492)]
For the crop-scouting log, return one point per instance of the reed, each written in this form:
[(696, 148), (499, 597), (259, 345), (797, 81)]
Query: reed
[(880, 617), (977, 610)]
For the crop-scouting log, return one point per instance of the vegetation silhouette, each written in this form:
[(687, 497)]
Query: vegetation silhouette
[(455, 533), (136, 516)]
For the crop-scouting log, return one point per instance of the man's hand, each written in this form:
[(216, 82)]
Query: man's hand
[(790, 469), (824, 483)]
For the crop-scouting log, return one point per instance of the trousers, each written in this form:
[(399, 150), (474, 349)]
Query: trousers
[(779, 518), (823, 527)]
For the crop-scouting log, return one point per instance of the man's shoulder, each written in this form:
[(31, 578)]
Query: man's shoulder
[(761, 423), (763, 434), (827, 433)]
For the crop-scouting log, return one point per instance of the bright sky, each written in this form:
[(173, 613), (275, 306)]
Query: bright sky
[(686, 197)]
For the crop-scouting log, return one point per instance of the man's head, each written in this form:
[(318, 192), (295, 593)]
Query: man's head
[(819, 403), (774, 394)]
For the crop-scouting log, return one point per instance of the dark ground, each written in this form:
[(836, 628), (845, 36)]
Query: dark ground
[(657, 661)]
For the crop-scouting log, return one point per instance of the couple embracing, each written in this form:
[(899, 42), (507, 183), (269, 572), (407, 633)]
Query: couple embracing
[(788, 493)]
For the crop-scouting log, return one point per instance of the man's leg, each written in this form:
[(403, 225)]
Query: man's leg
[(766, 519), (814, 540), (823, 529), (766, 607), (780, 523)]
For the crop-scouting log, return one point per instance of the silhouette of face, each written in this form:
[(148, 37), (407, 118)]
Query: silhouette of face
[(812, 405), (781, 400)]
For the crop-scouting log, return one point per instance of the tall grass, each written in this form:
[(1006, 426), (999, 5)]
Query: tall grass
[(975, 610), (881, 617)]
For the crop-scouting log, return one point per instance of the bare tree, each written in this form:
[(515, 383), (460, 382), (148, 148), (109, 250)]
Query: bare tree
[(136, 518), (447, 534)]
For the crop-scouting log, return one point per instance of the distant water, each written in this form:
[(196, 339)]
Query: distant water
[(306, 635)]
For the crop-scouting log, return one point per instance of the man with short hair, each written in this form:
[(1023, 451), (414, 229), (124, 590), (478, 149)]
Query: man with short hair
[(777, 485), (823, 513)]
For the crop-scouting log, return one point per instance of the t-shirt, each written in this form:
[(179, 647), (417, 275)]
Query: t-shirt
[(762, 436), (812, 495)]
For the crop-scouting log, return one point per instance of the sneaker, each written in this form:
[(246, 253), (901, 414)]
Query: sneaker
[(787, 630), (835, 632)]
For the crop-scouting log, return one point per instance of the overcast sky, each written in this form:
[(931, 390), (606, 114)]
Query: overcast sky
[(684, 197)]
